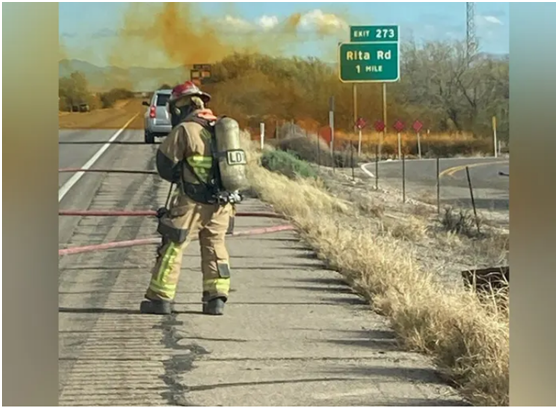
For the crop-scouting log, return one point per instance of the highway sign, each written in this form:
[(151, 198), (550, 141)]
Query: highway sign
[(369, 62), (417, 126), (371, 56), (374, 33), (200, 73), (399, 126), (201, 67), (379, 126)]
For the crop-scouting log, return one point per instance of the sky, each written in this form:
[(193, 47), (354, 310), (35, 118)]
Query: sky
[(88, 30)]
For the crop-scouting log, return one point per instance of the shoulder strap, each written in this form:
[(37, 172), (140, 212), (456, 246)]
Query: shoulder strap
[(206, 124), (210, 127)]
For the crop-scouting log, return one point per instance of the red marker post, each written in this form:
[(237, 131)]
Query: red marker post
[(399, 126), (417, 126)]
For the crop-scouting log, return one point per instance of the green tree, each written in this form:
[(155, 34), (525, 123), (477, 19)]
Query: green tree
[(73, 91)]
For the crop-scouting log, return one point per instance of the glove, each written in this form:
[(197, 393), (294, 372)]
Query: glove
[(235, 198)]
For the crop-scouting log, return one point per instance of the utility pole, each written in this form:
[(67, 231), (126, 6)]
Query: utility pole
[(471, 33)]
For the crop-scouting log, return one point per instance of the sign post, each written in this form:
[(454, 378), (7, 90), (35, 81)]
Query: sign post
[(417, 126), (355, 104), (360, 124), (331, 121), (380, 128), (262, 134), (384, 109), (399, 126), (495, 137), (371, 56)]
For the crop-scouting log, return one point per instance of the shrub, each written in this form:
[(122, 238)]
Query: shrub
[(288, 164), (108, 99)]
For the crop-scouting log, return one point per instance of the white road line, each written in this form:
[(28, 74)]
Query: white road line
[(77, 176), (366, 171)]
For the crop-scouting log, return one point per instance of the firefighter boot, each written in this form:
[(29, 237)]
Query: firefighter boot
[(215, 306), (160, 307)]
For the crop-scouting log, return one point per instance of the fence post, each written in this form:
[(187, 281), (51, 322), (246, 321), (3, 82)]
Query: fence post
[(472, 199), (438, 184), (403, 174), (377, 153), (318, 147), (352, 161)]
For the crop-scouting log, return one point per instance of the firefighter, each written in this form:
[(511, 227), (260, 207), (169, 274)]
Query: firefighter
[(199, 156)]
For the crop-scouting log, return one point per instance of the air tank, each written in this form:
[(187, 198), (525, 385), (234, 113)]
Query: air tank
[(232, 158)]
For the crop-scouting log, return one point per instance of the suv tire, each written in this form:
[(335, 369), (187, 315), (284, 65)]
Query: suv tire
[(149, 138)]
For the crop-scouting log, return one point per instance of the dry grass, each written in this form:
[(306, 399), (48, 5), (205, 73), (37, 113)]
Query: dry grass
[(461, 222), (467, 337), (413, 229), (431, 145)]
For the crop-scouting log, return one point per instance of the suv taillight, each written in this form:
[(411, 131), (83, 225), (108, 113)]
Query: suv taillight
[(152, 111)]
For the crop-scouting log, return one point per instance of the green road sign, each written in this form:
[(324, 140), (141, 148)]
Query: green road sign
[(369, 62), (374, 33)]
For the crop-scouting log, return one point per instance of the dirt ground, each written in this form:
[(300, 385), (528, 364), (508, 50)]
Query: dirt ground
[(418, 227), (113, 118)]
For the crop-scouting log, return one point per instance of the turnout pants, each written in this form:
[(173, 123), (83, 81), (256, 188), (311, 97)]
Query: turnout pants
[(210, 224)]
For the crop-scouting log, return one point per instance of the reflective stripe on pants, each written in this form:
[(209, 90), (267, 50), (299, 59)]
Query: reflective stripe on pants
[(211, 223)]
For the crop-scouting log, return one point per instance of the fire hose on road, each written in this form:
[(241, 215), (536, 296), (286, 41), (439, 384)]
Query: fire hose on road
[(149, 213), (154, 241), (122, 171)]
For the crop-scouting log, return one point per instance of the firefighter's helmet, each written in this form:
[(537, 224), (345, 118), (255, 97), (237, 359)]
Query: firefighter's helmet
[(186, 90)]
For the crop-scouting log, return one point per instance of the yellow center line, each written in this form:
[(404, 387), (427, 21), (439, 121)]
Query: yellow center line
[(451, 171)]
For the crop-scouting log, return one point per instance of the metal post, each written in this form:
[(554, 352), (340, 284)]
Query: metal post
[(399, 144), (472, 198), (495, 137), (331, 121), (318, 147), (355, 105), (419, 149), (352, 160), (359, 141), (355, 115), (438, 184), (377, 166), (262, 135), (384, 109), (403, 175)]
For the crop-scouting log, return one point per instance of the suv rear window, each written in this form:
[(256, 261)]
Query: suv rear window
[(162, 99)]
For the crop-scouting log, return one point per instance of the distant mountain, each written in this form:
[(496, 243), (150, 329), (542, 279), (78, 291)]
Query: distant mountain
[(142, 79), (135, 78)]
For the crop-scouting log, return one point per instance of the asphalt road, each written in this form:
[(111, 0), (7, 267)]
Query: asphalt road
[(491, 190), (76, 148), (293, 333)]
